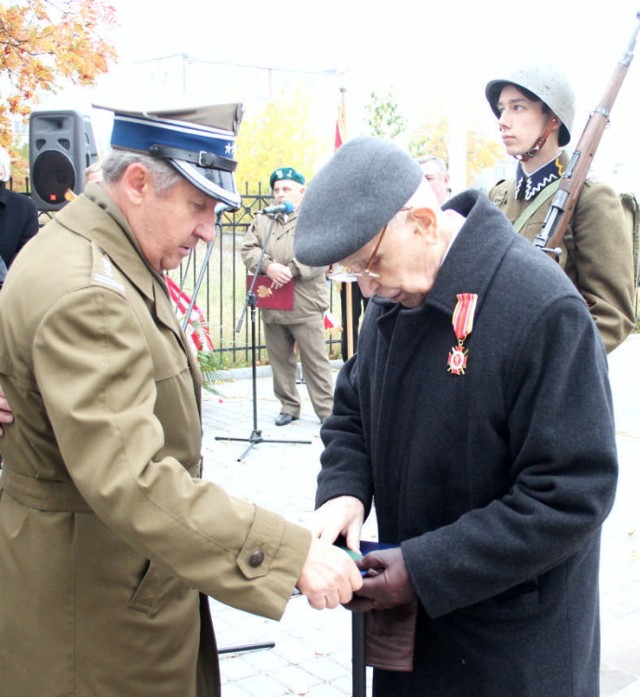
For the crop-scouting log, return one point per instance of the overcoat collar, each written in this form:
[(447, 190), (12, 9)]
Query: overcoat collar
[(468, 267)]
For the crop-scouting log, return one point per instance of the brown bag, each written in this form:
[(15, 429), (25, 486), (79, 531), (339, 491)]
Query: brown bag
[(390, 637)]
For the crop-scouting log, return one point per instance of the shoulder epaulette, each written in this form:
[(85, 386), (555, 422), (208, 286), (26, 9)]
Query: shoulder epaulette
[(103, 273)]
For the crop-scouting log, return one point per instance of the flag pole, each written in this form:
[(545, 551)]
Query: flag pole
[(341, 136), (358, 658)]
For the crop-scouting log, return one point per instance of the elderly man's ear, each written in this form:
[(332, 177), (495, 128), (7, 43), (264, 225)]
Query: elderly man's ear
[(427, 221)]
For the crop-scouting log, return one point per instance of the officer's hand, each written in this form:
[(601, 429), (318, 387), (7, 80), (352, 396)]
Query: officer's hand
[(387, 583), (6, 415), (329, 576)]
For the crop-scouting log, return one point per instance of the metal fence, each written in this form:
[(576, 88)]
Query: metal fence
[(223, 291)]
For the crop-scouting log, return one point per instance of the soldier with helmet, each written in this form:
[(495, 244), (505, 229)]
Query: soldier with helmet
[(535, 107)]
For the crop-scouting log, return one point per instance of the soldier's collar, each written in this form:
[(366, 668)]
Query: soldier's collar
[(528, 186)]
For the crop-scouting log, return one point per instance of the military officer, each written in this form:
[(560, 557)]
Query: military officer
[(108, 537)]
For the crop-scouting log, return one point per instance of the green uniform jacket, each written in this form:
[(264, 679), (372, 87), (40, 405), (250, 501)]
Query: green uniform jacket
[(597, 252), (106, 533), (310, 296)]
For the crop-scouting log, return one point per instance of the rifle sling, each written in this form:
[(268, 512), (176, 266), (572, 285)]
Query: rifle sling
[(526, 214)]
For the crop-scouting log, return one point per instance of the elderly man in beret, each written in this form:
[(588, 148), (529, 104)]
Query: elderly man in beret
[(476, 416), (109, 539), (303, 325)]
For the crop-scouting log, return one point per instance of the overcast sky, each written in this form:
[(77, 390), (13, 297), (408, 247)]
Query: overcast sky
[(441, 53)]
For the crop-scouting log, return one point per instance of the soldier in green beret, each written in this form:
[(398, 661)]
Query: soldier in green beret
[(302, 325)]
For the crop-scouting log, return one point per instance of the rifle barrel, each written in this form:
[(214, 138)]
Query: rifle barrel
[(564, 201)]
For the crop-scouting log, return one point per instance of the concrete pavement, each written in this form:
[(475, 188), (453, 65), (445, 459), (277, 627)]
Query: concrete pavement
[(312, 652)]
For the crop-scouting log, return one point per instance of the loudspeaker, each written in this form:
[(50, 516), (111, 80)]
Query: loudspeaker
[(61, 147)]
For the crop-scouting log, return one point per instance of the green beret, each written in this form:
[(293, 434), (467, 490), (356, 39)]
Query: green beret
[(285, 173), (351, 198)]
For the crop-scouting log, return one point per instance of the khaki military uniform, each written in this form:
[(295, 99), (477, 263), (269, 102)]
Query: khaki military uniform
[(304, 324), (597, 252), (107, 536)]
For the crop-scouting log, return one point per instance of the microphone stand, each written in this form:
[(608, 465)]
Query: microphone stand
[(219, 210), (251, 301)]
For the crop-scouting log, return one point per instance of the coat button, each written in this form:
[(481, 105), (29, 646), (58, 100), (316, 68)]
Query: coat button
[(256, 558)]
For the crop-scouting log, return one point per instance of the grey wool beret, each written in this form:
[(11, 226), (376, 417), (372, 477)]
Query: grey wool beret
[(351, 198)]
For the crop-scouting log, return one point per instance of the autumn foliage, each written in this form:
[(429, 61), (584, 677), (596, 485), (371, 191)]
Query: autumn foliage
[(45, 44)]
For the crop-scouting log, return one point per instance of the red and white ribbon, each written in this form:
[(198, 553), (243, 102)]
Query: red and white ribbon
[(462, 321)]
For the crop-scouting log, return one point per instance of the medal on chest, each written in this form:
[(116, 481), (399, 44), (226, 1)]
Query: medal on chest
[(462, 321)]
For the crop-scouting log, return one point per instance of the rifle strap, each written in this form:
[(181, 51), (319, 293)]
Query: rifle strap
[(544, 195)]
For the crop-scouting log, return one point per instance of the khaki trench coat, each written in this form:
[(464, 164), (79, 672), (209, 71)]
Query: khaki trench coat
[(107, 538), (597, 252)]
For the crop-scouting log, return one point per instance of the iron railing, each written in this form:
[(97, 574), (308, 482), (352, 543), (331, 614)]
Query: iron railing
[(222, 293)]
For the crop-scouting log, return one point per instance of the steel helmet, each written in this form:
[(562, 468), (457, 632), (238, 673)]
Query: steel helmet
[(548, 84)]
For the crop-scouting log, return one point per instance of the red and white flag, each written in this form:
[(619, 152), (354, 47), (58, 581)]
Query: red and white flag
[(197, 330)]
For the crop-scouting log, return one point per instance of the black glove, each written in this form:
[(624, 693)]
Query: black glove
[(387, 583)]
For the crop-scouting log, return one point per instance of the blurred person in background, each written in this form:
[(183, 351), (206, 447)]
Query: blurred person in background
[(18, 218), (435, 171)]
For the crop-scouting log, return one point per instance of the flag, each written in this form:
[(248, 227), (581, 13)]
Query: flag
[(197, 330), (330, 320), (341, 122)]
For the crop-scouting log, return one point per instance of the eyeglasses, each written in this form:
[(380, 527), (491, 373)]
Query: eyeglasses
[(344, 273)]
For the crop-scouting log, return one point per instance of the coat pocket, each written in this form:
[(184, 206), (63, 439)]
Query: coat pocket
[(516, 603), (153, 589)]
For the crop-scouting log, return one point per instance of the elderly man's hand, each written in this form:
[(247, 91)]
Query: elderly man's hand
[(6, 415), (343, 515), (387, 583), (329, 576)]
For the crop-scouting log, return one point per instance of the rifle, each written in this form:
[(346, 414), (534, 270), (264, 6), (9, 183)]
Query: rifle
[(564, 201)]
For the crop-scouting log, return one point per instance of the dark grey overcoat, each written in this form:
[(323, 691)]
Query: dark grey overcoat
[(496, 481)]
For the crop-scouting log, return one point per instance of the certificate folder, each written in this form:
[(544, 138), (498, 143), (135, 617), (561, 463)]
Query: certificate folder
[(268, 298)]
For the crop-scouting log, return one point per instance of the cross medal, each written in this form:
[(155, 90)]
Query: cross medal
[(462, 321)]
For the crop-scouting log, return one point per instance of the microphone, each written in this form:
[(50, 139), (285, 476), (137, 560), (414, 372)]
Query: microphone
[(285, 207)]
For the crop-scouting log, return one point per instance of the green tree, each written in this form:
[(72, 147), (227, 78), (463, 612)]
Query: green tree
[(383, 117), (280, 134)]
